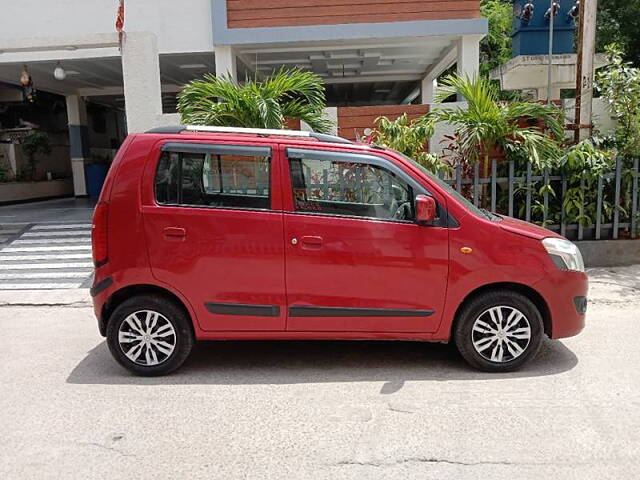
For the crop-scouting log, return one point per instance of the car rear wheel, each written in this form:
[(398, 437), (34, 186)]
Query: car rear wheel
[(149, 335), (499, 331)]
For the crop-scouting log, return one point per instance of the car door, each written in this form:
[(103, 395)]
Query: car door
[(214, 232), (356, 261)]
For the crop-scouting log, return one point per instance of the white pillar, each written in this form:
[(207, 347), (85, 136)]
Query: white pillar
[(141, 78), (78, 142), (469, 55), (226, 62), (428, 89)]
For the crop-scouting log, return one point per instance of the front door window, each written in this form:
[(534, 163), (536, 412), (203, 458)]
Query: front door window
[(335, 187)]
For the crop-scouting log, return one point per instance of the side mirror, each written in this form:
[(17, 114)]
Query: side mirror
[(425, 209)]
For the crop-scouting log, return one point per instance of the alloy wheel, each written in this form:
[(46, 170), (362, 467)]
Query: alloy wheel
[(147, 338), (501, 334)]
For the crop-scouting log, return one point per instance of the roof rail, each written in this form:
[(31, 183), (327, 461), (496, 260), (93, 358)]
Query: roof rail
[(251, 131)]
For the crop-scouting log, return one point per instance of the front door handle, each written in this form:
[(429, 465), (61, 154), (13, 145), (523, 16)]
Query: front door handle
[(174, 233), (311, 241)]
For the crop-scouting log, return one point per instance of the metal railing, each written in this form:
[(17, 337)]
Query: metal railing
[(514, 195)]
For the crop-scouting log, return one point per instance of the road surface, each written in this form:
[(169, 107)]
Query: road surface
[(321, 410)]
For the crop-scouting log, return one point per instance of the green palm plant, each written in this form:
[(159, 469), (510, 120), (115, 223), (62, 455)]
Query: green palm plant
[(288, 93), (487, 123)]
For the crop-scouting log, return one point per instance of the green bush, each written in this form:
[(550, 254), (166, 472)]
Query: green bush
[(409, 138)]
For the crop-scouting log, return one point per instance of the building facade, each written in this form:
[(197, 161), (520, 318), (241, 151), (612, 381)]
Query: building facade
[(374, 53)]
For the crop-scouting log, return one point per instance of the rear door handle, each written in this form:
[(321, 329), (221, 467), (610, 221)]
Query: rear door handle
[(311, 241), (174, 232)]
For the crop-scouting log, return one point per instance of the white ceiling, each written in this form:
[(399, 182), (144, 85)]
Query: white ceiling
[(98, 73), (379, 69), (338, 62)]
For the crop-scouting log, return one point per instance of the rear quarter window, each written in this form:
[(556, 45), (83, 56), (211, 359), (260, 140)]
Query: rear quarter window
[(223, 178)]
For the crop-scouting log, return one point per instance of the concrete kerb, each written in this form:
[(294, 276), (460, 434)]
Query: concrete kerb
[(610, 253), (75, 297)]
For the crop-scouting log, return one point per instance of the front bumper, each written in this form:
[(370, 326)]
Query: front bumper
[(566, 296)]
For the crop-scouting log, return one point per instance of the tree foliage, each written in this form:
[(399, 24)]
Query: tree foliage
[(288, 93), (495, 48), (618, 22), (619, 84)]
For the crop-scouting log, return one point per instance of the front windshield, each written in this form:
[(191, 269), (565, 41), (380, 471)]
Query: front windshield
[(470, 206)]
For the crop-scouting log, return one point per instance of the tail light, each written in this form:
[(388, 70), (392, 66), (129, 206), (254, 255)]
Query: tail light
[(99, 241)]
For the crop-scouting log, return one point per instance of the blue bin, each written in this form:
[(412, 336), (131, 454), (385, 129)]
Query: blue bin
[(96, 173)]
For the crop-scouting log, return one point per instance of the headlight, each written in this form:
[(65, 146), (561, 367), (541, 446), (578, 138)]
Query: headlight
[(564, 254)]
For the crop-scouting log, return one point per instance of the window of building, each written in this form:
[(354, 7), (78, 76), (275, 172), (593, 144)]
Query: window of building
[(339, 187), (212, 176)]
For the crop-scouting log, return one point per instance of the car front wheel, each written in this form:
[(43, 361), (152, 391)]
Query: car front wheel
[(499, 331)]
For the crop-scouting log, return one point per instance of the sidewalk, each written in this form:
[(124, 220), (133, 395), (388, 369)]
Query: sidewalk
[(610, 285), (71, 297), (72, 210)]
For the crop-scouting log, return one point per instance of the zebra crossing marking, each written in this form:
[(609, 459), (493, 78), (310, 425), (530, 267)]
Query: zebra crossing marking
[(35, 266), (62, 226), (37, 241), (37, 286), (59, 248), (47, 256), (43, 275), (50, 256), (82, 233)]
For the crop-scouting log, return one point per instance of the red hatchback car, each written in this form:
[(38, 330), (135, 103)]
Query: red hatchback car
[(210, 233)]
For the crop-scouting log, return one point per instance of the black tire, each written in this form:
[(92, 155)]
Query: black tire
[(479, 306), (175, 315)]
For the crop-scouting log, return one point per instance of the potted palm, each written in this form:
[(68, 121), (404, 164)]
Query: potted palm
[(487, 128), (287, 94)]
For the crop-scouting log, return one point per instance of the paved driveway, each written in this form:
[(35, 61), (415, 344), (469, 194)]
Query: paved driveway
[(322, 410)]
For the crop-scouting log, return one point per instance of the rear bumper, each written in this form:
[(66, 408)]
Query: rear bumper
[(566, 296), (100, 294)]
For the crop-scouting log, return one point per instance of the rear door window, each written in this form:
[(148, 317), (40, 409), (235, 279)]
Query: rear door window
[(223, 176)]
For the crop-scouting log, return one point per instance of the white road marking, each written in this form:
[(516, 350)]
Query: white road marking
[(33, 266), (85, 233), (37, 241), (14, 276), (46, 249), (38, 286), (54, 256), (61, 226)]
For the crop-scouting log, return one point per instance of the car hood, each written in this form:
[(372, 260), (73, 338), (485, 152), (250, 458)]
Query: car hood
[(526, 229)]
